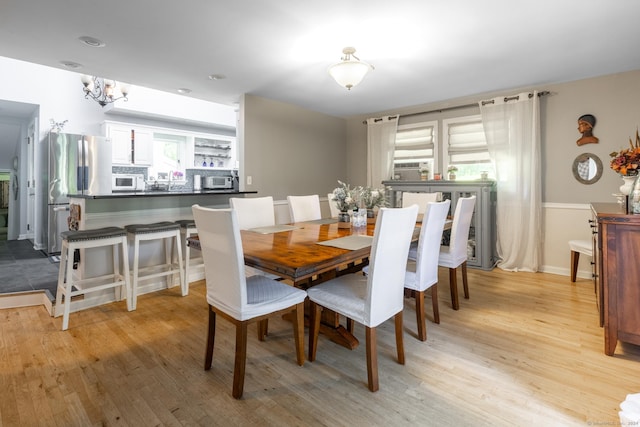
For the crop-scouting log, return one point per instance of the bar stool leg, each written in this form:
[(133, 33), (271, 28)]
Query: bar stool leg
[(187, 256), (136, 262), (61, 272), (68, 288), (124, 249), (178, 246)]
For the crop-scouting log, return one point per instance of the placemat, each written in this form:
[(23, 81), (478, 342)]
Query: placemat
[(351, 243), (274, 228), (324, 221)]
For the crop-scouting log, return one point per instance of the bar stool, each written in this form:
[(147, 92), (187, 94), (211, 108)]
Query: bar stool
[(164, 231), (188, 229), (85, 239)]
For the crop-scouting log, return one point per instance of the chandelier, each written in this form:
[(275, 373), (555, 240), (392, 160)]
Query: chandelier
[(103, 91), (350, 71)]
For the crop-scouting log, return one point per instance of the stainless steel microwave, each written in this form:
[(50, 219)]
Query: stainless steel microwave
[(218, 182)]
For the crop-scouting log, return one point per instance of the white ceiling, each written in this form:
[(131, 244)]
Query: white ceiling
[(423, 51)]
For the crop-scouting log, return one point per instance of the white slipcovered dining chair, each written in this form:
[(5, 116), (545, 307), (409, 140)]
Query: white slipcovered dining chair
[(371, 299), (233, 296), (455, 255), (253, 212), (422, 274), (578, 247), (333, 208), (420, 199), (304, 208)]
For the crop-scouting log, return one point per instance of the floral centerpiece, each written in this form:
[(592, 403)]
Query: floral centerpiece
[(373, 198), (345, 198), (626, 162)]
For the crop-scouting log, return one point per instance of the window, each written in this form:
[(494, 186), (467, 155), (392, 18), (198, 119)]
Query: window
[(415, 144), (465, 147), (169, 154)]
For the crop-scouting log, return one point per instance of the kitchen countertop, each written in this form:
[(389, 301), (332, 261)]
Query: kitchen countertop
[(139, 194)]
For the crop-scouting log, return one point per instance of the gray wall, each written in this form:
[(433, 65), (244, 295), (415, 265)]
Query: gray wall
[(288, 150), (614, 100)]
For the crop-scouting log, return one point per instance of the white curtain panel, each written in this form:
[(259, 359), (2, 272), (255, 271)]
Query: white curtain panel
[(512, 129), (381, 139)]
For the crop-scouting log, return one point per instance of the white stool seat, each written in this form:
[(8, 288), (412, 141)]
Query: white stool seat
[(68, 286), (169, 233), (188, 229), (578, 247)]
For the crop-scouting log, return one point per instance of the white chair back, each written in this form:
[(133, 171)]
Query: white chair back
[(387, 265), (429, 244), (420, 199), (304, 208), (253, 212), (221, 247), (332, 206), (460, 229)]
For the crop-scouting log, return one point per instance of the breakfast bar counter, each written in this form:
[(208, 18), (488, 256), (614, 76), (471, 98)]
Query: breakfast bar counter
[(122, 209)]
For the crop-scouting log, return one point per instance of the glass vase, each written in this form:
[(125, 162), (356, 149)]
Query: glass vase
[(634, 197), (344, 220)]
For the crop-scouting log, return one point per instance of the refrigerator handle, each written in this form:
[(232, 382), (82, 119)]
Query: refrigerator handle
[(61, 208)]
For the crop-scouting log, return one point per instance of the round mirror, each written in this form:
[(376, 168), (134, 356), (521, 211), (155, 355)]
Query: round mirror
[(587, 168)]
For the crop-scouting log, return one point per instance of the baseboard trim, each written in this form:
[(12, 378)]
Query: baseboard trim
[(27, 299)]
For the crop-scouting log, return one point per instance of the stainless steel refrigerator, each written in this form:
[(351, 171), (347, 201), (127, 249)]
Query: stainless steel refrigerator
[(78, 164)]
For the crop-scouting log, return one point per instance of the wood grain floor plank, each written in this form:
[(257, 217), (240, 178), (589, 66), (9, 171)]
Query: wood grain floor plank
[(525, 349)]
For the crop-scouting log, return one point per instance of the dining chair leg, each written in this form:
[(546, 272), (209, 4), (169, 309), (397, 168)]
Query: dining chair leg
[(241, 360), (575, 259), (399, 337), (211, 335), (298, 332), (453, 283), (314, 329), (372, 359), (465, 283), (263, 327), (434, 303), (420, 317)]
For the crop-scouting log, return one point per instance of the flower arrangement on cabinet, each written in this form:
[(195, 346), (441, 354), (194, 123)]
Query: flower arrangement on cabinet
[(346, 197), (374, 197), (626, 162)]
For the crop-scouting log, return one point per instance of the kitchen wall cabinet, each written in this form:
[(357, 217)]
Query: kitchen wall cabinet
[(130, 145), (481, 247)]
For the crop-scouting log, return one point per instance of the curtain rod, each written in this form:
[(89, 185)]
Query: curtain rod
[(458, 107)]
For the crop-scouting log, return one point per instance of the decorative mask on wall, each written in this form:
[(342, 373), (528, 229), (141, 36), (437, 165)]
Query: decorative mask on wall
[(586, 124)]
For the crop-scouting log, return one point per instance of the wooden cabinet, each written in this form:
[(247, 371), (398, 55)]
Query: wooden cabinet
[(618, 274), (481, 250), (130, 145)]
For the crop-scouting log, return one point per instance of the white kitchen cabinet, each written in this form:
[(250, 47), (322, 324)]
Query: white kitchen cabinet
[(130, 145)]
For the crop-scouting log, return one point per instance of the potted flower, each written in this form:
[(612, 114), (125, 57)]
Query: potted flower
[(626, 162), (452, 172), (373, 198), (424, 172), (345, 198)]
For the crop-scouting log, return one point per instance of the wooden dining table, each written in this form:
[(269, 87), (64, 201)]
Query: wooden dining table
[(295, 253)]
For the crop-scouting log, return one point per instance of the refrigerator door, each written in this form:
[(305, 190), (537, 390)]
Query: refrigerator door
[(96, 172), (64, 161), (57, 223)]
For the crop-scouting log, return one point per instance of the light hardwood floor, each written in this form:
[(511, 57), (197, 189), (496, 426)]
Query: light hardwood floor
[(526, 349)]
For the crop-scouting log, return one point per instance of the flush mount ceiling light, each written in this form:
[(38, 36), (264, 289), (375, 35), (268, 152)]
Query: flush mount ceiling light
[(103, 91), (350, 71)]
